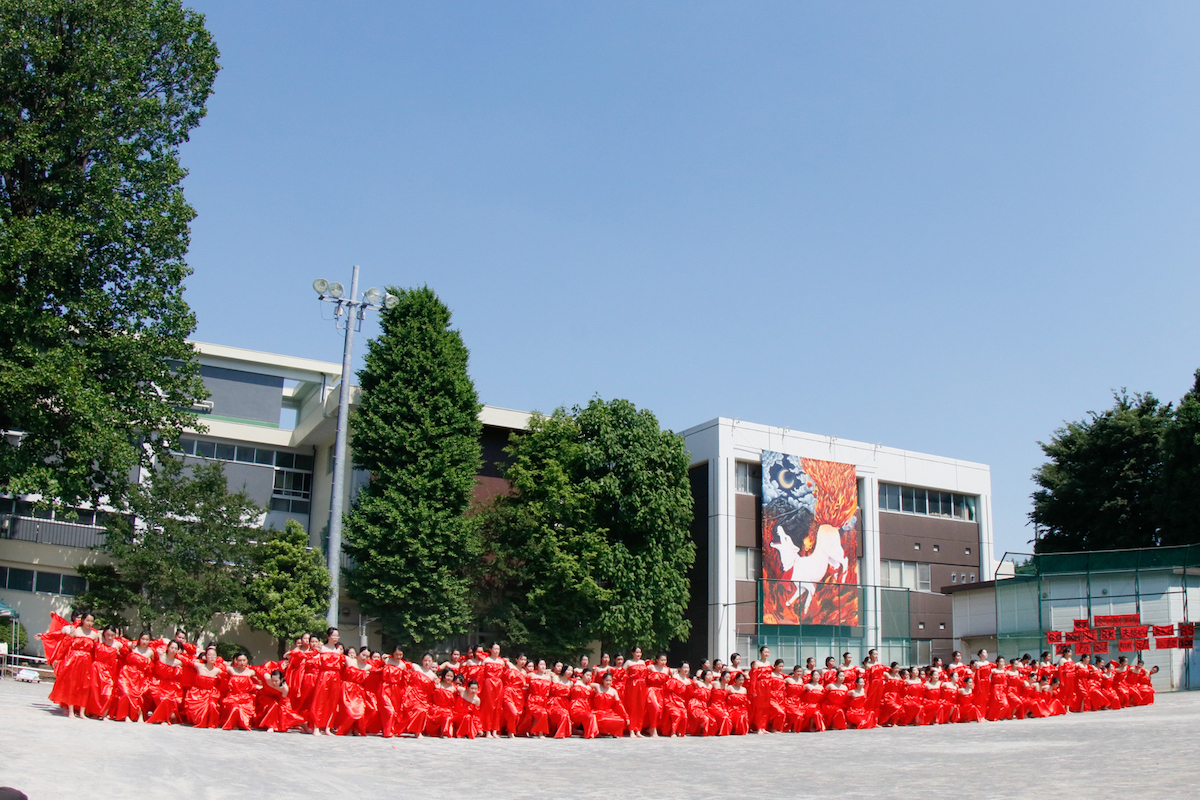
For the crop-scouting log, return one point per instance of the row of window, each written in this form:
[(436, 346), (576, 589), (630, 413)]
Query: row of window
[(245, 454), (290, 506), (79, 516), (905, 575), (28, 580), (930, 502)]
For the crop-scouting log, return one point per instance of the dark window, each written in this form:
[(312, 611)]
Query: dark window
[(73, 584), (44, 513), (264, 456), (285, 460), (20, 579), (50, 582), (299, 506), (3, 576), (245, 454), (188, 446), (280, 504), (24, 508), (206, 449), (225, 452), (85, 516), (7, 504), (304, 462)]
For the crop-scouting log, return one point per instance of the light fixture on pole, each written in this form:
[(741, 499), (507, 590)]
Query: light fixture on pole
[(347, 316)]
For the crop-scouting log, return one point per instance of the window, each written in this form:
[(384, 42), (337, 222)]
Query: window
[(941, 626), (922, 651), (923, 582), (73, 584), (20, 579), (206, 449), (968, 551), (954, 577), (245, 454), (916, 545), (936, 548), (920, 626), (972, 577), (747, 563), (905, 575), (748, 478), (914, 500), (50, 582), (226, 452)]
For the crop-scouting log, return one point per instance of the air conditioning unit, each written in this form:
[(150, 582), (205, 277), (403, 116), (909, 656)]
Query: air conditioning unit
[(203, 406)]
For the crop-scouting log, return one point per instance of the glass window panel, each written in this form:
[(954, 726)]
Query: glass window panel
[(894, 568), (73, 584), (7, 504), (909, 575), (101, 519), (970, 509), (86, 516), (285, 460), (24, 508), (280, 504), (299, 506), (960, 507), (923, 580), (3, 576), (947, 504), (919, 505), (20, 579), (907, 495), (741, 558), (755, 563), (954, 577), (225, 452), (245, 454), (894, 498), (264, 456), (188, 446), (884, 573), (206, 449), (280, 477), (44, 513), (304, 462), (49, 582)]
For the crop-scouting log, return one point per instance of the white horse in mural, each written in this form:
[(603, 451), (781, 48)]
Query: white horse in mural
[(806, 571)]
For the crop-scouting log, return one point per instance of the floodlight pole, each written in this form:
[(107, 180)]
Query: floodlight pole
[(348, 316)]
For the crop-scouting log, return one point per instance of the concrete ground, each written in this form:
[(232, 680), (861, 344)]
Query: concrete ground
[(1150, 752)]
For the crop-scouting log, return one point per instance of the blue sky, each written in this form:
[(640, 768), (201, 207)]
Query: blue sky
[(944, 227)]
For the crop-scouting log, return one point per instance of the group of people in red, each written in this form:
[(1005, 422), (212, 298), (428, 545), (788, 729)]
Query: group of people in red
[(324, 687)]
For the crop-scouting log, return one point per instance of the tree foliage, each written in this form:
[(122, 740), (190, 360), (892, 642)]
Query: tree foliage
[(594, 542), (289, 589), (1126, 477), (95, 99), (417, 432), (190, 554)]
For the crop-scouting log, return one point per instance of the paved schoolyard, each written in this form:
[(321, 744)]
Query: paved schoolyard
[(1150, 752)]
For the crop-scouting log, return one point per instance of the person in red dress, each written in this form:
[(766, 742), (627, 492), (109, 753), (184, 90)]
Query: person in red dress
[(536, 719), (983, 682), (876, 674), (53, 639), (202, 700), (718, 705), (949, 699), (560, 704), (672, 720), (889, 703), (73, 675), (911, 701), (811, 718), (857, 714), (326, 694), (418, 699), (167, 688), (834, 705), (491, 696), (354, 712), (241, 689), (656, 680), (580, 699), (106, 667), (759, 689), (968, 709), (274, 707), (829, 674), (393, 673), (700, 723), (635, 692), (773, 685), (998, 707), (516, 687), (467, 724), (133, 681), (738, 700), (608, 710), (793, 688), (439, 718), (850, 672)]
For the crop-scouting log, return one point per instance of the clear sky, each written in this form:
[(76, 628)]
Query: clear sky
[(945, 227)]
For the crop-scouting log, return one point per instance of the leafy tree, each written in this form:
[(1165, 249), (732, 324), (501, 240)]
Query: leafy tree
[(1179, 506), (108, 597), (189, 555), (13, 635), (1099, 490), (417, 432), (95, 368), (288, 592), (594, 543)]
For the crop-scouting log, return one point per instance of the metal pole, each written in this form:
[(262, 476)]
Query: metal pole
[(339, 457)]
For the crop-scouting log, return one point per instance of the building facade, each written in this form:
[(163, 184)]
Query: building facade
[(923, 522)]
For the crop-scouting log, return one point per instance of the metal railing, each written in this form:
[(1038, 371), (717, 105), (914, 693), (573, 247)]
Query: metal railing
[(53, 532)]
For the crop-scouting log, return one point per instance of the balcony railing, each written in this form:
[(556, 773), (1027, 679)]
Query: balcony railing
[(53, 532)]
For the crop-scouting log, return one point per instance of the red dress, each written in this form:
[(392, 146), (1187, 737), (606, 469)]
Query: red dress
[(875, 682), (516, 686), (491, 694), (910, 704), (673, 719), (760, 697), (202, 703), (998, 707), (73, 678), (166, 691), (106, 666), (440, 714), (793, 694), (536, 719), (609, 713), (776, 716), (581, 709), (392, 688), (133, 684), (560, 711), (327, 688), (968, 711), (834, 707), (699, 721), (237, 706), (417, 701), (949, 703), (812, 719), (718, 711), (858, 715), (634, 695), (354, 712), (275, 711), (983, 688), (53, 639), (467, 723), (889, 704), (652, 717), (739, 712)]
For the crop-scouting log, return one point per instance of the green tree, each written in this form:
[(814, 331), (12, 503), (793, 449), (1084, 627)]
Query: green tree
[(14, 635), (1179, 500), (190, 552), (1100, 489), (417, 431), (289, 589), (594, 542), (95, 368)]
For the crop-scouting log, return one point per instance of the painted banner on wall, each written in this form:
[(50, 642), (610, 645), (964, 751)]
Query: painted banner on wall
[(810, 541)]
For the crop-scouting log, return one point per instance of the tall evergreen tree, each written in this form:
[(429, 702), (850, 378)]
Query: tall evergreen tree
[(96, 372), (1179, 506), (416, 431)]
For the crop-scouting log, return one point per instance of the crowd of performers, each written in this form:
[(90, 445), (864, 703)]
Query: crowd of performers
[(323, 687)]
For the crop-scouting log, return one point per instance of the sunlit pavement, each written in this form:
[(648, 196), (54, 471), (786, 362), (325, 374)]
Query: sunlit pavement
[(1148, 752)]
